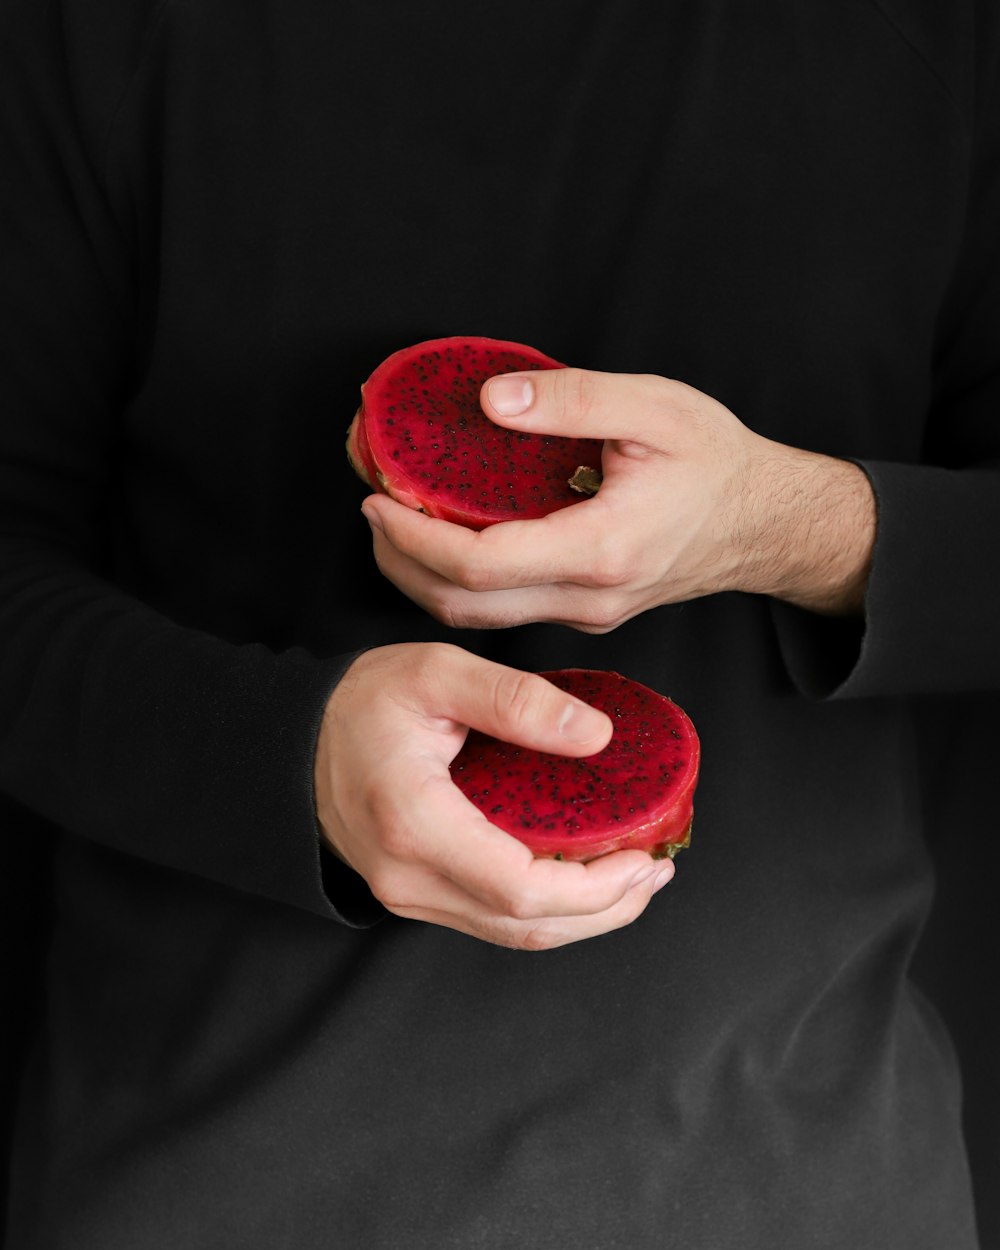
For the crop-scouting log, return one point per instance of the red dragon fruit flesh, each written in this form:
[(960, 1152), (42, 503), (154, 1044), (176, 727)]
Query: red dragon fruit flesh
[(636, 793), (421, 436)]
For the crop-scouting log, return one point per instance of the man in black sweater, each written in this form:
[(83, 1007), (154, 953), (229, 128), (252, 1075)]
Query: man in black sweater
[(281, 1004)]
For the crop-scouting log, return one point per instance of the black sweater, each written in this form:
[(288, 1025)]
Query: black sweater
[(216, 218)]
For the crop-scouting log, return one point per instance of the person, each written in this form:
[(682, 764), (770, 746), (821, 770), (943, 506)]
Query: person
[(297, 992)]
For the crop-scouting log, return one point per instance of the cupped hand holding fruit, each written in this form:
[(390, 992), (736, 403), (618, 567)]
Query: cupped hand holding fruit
[(693, 502), (387, 804)]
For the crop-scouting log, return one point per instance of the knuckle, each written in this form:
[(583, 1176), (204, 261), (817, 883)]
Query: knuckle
[(575, 392), (603, 614), (521, 907), (608, 569), (539, 937), (396, 840), (392, 832), (516, 697), (472, 575), (447, 612), (385, 885)]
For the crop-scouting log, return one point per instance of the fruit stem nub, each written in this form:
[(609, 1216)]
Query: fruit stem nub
[(586, 481)]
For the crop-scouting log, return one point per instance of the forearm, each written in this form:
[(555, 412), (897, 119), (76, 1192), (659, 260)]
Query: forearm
[(811, 538), (160, 741)]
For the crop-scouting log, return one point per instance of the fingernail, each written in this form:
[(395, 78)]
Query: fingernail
[(666, 875), (581, 723), (510, 396), (372, 517)]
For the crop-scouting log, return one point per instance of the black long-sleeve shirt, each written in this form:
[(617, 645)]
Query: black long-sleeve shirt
[(215, 220)]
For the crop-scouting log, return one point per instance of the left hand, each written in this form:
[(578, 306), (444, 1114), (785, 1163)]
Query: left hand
[(692, 503)]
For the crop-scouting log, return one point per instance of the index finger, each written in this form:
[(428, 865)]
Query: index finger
[(501, 872), (554, 548)]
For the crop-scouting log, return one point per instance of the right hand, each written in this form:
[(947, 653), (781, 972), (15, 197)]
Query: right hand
[(388, 807)]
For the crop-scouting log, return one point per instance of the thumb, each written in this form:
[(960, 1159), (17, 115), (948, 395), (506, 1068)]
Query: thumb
[(579, 403), (523, 708)]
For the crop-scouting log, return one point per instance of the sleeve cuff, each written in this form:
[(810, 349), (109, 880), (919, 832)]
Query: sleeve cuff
[(931, 619)]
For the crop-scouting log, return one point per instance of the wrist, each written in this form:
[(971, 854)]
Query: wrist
[(816, 532)]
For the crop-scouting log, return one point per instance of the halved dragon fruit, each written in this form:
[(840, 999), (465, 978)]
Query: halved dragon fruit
[(421, 436), (636, 793)]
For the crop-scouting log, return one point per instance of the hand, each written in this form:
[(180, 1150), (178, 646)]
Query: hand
[(388, 807), (693, 502)]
